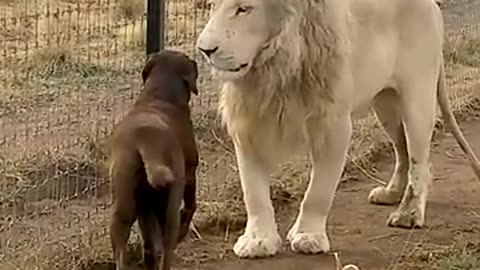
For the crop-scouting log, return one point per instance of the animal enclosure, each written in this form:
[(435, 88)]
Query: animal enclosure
[(69, 70)]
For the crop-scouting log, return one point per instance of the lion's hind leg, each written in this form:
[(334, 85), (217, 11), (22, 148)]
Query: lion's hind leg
[(418, 102), (386, 105)]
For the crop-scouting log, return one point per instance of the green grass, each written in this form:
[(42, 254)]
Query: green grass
[(459, 259)]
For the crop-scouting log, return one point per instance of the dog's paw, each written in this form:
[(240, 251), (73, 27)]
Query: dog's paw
[(255, 245), (308, 243)]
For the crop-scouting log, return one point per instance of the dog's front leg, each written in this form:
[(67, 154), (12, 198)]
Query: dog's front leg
[(308, 234), (261, 236)]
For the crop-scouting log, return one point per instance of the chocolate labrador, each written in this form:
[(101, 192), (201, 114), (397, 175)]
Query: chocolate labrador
[(153, 159)]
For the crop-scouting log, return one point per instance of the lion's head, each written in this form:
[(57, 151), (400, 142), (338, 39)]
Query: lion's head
[(240, 35)]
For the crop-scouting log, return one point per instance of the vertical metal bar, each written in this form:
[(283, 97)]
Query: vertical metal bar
[(162, 23), (155, 25)]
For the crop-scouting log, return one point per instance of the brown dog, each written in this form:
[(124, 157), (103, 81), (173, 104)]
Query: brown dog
[(153, 159)]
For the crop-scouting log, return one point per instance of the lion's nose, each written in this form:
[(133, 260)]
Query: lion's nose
[(208, 52)]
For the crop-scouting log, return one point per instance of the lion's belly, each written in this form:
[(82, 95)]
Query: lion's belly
[(386, 40), (373, 69)]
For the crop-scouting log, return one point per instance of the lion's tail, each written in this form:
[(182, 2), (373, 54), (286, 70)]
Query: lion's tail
[(447, 114)]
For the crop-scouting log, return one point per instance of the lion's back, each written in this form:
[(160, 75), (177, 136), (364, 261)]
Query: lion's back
[(390, 40)]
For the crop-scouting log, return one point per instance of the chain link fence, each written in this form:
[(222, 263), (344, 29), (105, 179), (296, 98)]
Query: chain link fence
[(69, 70)]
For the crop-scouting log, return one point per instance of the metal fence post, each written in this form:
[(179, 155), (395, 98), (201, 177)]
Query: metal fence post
[(155, 25)]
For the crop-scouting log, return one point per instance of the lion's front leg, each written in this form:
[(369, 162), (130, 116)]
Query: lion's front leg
[(308, 234), (261, 237)]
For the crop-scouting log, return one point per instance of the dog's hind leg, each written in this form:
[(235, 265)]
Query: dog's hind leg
[(124, 211), (190, 202), (152, 239), (172, 223)]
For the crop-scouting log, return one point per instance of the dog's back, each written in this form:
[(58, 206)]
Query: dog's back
[(145, 140)]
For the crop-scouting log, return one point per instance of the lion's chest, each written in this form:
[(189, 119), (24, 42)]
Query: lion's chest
[(277, 127)]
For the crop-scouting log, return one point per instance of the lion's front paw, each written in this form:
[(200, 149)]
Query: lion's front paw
[(383, 195), (406, 219), (309, 243), (253, 245)]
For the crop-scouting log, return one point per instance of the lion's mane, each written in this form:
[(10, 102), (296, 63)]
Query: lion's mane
[(289, 91)]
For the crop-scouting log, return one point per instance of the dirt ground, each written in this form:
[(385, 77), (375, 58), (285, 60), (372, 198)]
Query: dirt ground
[(358, 230)]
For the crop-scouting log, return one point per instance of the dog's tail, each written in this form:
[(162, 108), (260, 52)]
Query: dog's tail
[(162, 157), (159, 175)]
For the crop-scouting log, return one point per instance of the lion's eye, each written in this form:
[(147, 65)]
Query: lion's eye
[(242, 10), (209, 4)]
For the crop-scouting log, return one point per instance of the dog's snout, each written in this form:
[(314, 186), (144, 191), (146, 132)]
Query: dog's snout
[(208, 52)]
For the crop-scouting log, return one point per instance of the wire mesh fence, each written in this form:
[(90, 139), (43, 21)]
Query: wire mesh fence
[(68, 71)]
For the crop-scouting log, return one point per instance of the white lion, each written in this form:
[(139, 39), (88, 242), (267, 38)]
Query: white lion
[(294, 71)]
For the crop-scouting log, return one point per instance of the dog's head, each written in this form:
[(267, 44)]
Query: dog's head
[(174, 64)]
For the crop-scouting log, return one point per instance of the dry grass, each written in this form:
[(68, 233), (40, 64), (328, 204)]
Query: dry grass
[(464, 255), (183, 23), (455, 259), (463, 50), (131, 9)]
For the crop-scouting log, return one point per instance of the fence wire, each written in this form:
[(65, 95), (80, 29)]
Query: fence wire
[(69, 70)]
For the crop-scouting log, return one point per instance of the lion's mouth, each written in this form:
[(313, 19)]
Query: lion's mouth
[(242, 66), (233, 70)]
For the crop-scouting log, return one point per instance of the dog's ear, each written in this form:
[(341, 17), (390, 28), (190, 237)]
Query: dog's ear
[(190, 77), (147, 68)]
